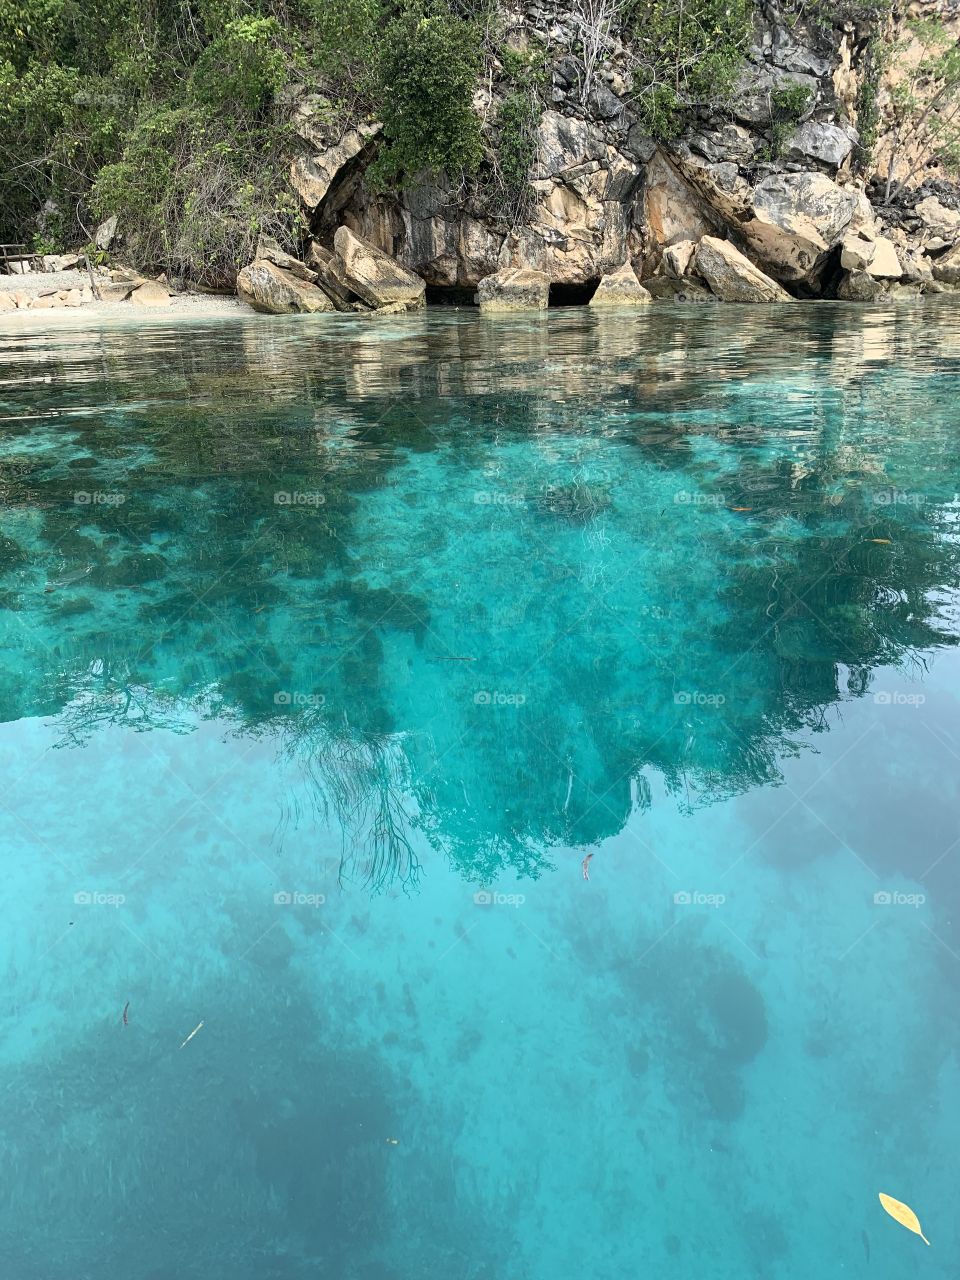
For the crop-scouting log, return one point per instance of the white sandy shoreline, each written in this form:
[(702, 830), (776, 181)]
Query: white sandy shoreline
[(192, 306)]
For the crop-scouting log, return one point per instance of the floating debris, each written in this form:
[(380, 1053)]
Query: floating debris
[(126, 1020), (884, 542), (741, 508), (394, 1142), (192, 1034), (903, 1214)]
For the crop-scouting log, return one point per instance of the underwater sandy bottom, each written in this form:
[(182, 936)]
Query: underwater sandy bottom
[(598, 1080)]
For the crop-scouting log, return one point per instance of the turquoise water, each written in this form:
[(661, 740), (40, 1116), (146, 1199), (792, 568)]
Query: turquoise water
[(333, 648)]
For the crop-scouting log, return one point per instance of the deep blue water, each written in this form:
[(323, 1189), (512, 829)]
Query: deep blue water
[(332, 649)]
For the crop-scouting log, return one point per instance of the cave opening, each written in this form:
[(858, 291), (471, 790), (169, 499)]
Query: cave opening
[(572, 295), (443, 295)]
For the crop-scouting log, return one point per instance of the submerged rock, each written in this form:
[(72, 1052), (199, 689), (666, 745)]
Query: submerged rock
[(620, 288), (514, 289), (733, 277)]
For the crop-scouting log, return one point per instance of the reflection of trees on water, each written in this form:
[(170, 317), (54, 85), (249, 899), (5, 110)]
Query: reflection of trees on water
[(692, 540)]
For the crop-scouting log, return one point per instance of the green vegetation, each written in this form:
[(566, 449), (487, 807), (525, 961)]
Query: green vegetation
[(176, 117), (427, 70), (787, 104), (524, 74), (925, 126), (689, 53)]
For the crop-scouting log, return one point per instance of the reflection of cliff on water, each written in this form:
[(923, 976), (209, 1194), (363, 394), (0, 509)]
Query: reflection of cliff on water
[(480, 579)]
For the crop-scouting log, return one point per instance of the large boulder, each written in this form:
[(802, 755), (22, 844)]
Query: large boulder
[(797, 219), (373, 275), (267, 287), (150, 294), (858, 286), (733, 277), (874, 254), (620, 288), (941, 226), (947, 268), (269, 249), (514, 289), (828, 143)]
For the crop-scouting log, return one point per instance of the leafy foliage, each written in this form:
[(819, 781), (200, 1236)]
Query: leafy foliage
[(925, 105), (788, 102), (689, 53), (176, 116), (427, 71)]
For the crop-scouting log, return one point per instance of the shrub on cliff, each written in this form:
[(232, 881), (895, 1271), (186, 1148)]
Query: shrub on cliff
[(428, 67), (688, 54)]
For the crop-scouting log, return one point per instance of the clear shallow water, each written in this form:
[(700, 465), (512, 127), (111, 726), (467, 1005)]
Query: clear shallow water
[(316, 631)]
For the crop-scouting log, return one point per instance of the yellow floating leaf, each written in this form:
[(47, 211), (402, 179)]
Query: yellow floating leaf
[(884, 542), (903, 1214)]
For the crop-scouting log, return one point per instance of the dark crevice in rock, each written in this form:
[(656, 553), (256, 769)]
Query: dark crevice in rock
[(572, 295), (450, 296)]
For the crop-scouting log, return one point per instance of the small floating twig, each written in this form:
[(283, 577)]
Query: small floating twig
[(192, 1034)]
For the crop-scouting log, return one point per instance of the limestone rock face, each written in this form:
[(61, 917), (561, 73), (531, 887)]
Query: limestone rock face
[(331, 147), (269, 288), (374, 276), (797, 219), (620, 288), (514, 289), (828, 143), (733, 277), (674, 210), (7, 302)]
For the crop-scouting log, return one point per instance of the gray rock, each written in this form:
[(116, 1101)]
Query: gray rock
[(946, 270), (730, 143), (828, 143), (373, 275), (858, 286), (106, 233), (267, 287), (732, 276), (514, 289), (620, 288)]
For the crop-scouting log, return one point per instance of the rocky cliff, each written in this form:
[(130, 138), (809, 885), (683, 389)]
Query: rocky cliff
[(780, 174)]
